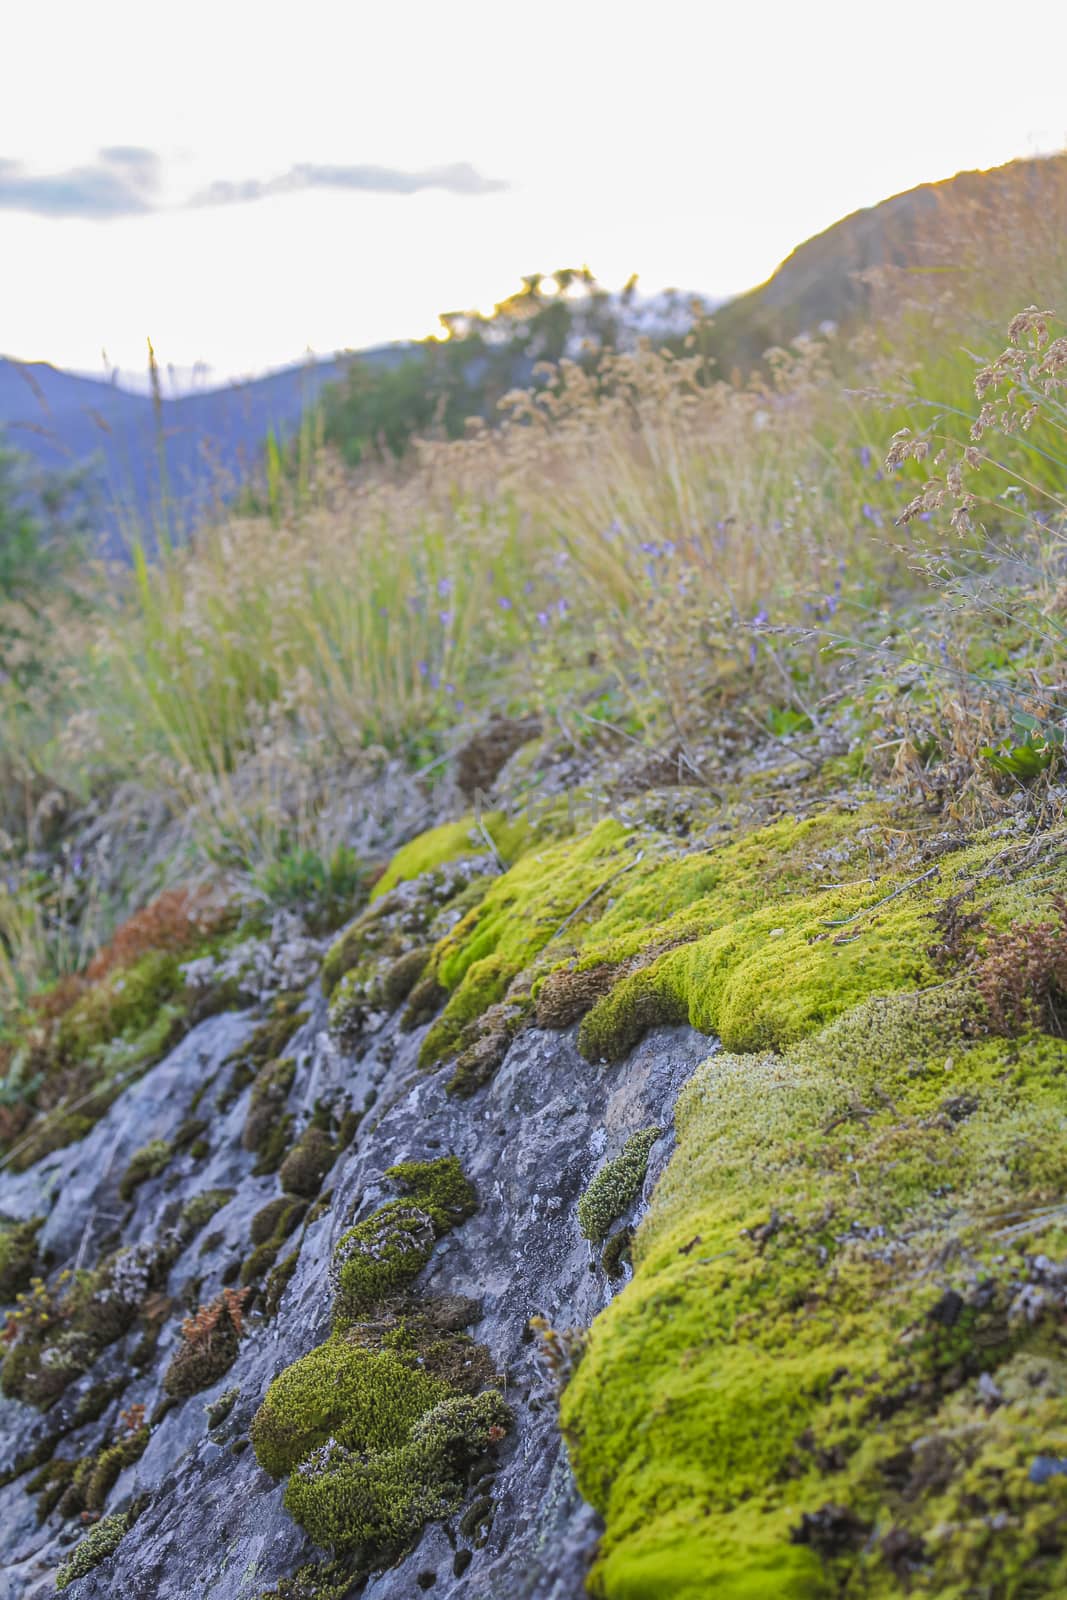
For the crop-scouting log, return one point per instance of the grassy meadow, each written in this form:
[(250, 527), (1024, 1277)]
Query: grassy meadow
[(658, 548)]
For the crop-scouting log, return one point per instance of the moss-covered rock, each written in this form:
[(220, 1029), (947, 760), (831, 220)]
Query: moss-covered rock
[(814, 1382)]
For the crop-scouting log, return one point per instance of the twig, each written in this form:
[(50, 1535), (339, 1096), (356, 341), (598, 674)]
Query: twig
[(842, 922), (488, 837), (591, 897)]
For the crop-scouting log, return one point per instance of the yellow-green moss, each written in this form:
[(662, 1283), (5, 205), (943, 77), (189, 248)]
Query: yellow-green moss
[(449, 842), (785, 1399), (18, 1256), (616, 1186), (102, 1541)]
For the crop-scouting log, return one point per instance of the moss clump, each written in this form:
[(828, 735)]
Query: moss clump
[(381, 1255), (363, 1399), (62, 1328), (101, 1542), (378, 1501), (110, 1463), (616, 1186), (269, 1094), (148, 1162), (319, 1580), (271, 1226), (449, 843), (18, 1256), (278, 1281), (617, 1254), (198, 1212), (275, 1221), (219, 1409), (836, 1363), (210, 1340), (308, 1162), (400, 978)]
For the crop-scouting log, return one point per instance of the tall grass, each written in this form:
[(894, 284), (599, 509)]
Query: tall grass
[(639, 534)]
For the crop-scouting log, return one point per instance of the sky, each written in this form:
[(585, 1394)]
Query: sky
[(243, 183)]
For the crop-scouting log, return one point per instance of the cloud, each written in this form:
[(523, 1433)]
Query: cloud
[(124, 181), (460, 178), (121, 182)]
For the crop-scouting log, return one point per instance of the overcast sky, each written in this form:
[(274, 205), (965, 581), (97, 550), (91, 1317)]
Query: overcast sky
[(243, 182)]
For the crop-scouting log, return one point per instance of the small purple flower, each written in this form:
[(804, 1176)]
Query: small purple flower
[(446, 618), (383, 611), (760, 618), (503, 602), (649, 549), (872, 515), (925, 516), (753, 652), (542, 617), (562, 607), (527, 587), (450, 688), (865, 456), (435, 680), (444, 586)]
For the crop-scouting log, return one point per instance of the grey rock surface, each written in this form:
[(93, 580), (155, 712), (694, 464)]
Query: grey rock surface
[(213, 1524)]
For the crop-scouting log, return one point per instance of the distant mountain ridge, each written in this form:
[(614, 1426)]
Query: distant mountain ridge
[(215, 437), (212, 438)]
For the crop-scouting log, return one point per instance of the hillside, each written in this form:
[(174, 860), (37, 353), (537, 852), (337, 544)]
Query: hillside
[(533, 987), (213, 439)]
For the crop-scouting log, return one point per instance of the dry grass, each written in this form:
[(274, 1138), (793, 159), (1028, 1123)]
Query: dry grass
[(627, 544)]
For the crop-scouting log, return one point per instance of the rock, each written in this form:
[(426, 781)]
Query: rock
[(213, 1522)]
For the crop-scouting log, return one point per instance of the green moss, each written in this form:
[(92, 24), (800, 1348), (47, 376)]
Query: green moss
[(102, 1541), (377, 1502), (380, 1256), (319, 1580), (449, 842), (148, 1162), (308, 1162), (616, 1186), (18, 1256), (835, 1255), (219, 1409), (278, 1281), (198, 1212), (110, 1463), (269, 1094), (365, 1400), (275, 1221)]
